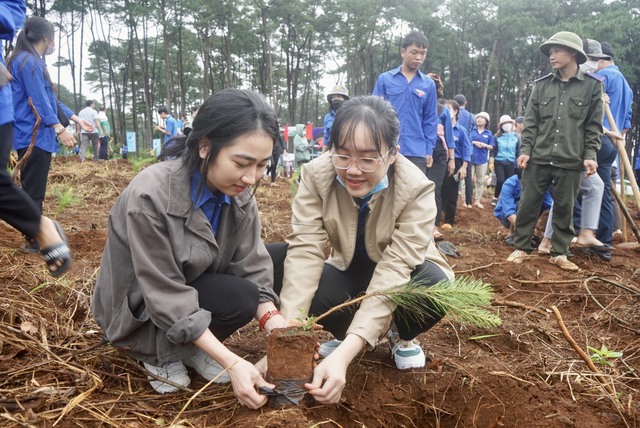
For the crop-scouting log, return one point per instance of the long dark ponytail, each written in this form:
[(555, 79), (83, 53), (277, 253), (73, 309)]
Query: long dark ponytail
[(35, 30)]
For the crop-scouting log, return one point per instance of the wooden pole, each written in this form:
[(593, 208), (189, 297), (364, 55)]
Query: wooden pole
[(625, 212), (622, 154)]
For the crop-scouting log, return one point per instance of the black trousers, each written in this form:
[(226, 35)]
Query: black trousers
[(104, 148), (437, 174), (468, 186), (34, 173), (337, 287), (450, 188), (6, 142), (16, 207), (503, 171), (232, 301)]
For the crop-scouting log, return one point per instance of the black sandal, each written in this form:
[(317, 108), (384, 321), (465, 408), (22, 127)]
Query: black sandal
[(57, 252)]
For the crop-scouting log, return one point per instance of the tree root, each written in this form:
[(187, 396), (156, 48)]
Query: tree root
[(580, 352), (513, 304)]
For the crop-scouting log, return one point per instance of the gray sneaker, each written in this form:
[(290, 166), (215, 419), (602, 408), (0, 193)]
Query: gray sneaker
[(207, 367), (174, 372)]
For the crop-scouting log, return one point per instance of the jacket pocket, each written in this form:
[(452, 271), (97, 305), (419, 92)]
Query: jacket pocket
[(546, 107), (576, 108), (129, 331)]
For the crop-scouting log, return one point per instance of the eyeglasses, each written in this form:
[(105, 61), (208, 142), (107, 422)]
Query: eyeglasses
[(363, 164)]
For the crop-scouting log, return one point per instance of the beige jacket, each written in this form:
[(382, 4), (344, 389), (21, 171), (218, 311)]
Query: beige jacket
[(397, 237)]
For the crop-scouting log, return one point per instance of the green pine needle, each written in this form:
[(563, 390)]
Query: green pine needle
[(463, 299)]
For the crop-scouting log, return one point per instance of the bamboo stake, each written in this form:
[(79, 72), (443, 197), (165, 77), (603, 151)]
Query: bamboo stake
[(622, 154), (625, 212), (580, 352)]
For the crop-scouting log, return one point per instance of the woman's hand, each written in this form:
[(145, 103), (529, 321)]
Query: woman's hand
[(329, 379), (66, 138), (245, 380)]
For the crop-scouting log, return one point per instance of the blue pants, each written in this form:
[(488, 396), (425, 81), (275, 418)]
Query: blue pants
[(606, 156)]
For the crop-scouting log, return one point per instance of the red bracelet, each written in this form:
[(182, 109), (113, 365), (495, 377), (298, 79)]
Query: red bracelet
[(266, 317)]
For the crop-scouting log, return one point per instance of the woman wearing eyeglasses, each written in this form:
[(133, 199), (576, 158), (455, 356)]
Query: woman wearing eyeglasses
[(377, 211)]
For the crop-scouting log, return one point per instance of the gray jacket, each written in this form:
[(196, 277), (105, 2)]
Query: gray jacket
[(156, 245)]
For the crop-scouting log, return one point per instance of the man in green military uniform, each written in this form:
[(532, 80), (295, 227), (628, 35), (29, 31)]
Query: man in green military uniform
[(562, 131)]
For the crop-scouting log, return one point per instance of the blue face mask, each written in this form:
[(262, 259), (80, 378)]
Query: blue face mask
[(384, 183)]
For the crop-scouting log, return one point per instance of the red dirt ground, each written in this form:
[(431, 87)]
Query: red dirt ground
[(55, 371)]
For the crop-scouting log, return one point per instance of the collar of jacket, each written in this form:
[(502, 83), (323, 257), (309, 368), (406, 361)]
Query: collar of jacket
[(579, 76), (180, 205)]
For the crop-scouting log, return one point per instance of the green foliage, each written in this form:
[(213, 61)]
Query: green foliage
[(464, 300), (65, 198), (603, 356), (141, 161)]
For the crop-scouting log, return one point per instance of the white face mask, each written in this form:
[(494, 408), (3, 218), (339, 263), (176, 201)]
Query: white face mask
[(589, 65), (507, 127), (50, 50)]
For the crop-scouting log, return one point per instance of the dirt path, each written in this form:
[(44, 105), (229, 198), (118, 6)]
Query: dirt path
[(53, 367)]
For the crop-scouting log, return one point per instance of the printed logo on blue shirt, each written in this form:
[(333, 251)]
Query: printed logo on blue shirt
[(419, 93)]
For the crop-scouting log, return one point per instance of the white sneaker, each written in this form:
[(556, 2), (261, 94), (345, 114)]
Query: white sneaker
[(407, 354), (207, 367), (328, 347), (174, 372), (563, 263)]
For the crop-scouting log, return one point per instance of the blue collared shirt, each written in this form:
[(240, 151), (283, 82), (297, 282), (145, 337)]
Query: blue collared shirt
[(171, 126), (466, 119), (480, 156), (210, 204), (29, 82), (416, 103), (620, 94), (328, 123), (445, 120), (463, 143), (12, 14)]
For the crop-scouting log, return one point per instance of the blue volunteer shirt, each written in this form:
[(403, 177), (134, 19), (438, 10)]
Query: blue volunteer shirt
[(466, 119), (620, 94), (328, 123), (12, 13), (210, 204), (463, 143), (416, 103), (29, 82), (510, 199), (171, 125), (445, 120), (480, 156)]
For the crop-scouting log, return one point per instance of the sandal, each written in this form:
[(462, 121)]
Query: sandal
[(57, 252), (437, 236)]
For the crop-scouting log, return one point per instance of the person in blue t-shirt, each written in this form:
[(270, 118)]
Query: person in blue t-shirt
[(504, 154), (468, 120), (336, 97), (413, 96), (32, 83), (482, 141), (507, 206), (170, 128), (16, 206), (450, 186)]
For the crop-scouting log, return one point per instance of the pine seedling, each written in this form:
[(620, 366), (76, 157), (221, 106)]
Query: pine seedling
[(66, 198), (464, 300)]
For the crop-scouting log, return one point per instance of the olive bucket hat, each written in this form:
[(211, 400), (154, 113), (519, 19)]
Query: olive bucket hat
[(567, 39)]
